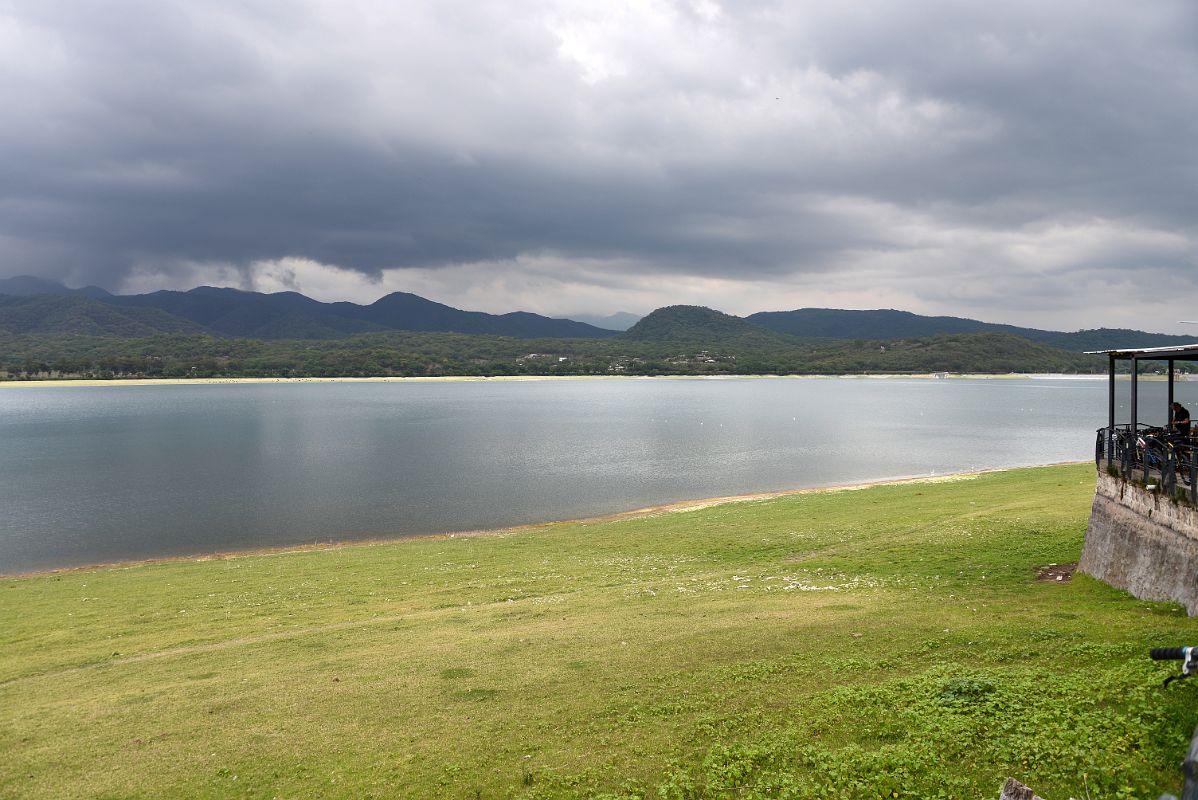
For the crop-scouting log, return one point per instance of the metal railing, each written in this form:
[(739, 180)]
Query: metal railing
[(1154, 455)]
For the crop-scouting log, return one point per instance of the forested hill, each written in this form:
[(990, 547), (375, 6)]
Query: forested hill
[(30, 305), (833, 323), (699, 325), (80, 315), (226, 332), (36, 305), (397, 353), (27, 285)]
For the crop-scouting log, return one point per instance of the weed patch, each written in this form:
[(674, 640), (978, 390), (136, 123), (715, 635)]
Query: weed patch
[(886, 642)]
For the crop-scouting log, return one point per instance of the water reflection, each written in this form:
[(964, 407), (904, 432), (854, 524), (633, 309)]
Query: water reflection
[(108, 473)]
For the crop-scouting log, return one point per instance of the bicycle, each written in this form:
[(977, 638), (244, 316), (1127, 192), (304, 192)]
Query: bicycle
[(1188, 656)]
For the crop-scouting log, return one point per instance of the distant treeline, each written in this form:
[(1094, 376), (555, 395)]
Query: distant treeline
[(181, 355)]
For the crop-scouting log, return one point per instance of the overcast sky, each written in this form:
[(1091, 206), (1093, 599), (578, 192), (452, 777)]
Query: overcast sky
[(1025, 162)]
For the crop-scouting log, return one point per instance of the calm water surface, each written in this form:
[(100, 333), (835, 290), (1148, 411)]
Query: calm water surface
[(95, 474)]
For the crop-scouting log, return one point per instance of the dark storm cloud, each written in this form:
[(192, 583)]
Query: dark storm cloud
[(1014, 149), (1095, 104)]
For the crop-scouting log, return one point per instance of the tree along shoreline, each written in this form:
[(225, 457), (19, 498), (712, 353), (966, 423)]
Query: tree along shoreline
[(407, 354)]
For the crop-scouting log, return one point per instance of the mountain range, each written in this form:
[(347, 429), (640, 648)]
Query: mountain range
[(30, 305), (883, 324)]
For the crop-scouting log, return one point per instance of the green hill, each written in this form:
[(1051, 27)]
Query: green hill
[(223, 311), (701, 325), (887, 323), (289, 315), (395, 353), (36, 305), (1106, 339), (27, 285), (959, 352), (82, 315)]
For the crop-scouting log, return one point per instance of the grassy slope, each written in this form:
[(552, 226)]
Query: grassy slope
[(847, 644)]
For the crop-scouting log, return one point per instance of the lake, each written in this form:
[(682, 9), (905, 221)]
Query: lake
[(97, 474)]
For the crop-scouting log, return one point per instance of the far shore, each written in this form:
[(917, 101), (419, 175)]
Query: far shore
[(681, 506), (52, 382)]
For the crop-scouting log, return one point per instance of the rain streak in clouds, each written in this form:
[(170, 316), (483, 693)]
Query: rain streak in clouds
[(1023, 162)]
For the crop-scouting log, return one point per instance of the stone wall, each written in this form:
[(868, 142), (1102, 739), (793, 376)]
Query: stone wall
[(1142, 542)]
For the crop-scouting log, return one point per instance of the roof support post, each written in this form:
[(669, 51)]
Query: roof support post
[(1135, 371), (1110, 402), (1169, 408)]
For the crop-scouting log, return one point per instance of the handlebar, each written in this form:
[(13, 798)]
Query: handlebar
[(1169, 653), (1188, 656)]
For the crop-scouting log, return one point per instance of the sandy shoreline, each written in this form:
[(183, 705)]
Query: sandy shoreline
[(680, 506), (58, 382)]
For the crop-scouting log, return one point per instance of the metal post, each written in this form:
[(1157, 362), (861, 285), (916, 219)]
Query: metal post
[(1110, 425), (1134, 438), (1135, 369), (1169, 408)]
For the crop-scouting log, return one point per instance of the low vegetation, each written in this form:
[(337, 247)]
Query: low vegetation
[(209, 332), (896, 641), (183, 355)]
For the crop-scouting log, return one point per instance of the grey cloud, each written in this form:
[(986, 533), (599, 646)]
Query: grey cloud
[(148, 134)]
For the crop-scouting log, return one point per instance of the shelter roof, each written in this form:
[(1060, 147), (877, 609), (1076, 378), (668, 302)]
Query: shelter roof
[(1182, 352)]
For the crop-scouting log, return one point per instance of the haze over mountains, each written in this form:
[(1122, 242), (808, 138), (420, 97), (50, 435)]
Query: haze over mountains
[(620, 321), (36, 306)]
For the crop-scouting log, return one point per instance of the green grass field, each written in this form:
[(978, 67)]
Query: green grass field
[(886, 642)]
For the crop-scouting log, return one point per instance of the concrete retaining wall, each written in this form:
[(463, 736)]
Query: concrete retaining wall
[(1142, 542)]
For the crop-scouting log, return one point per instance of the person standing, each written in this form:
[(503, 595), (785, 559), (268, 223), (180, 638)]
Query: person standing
[(1181, 419)]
